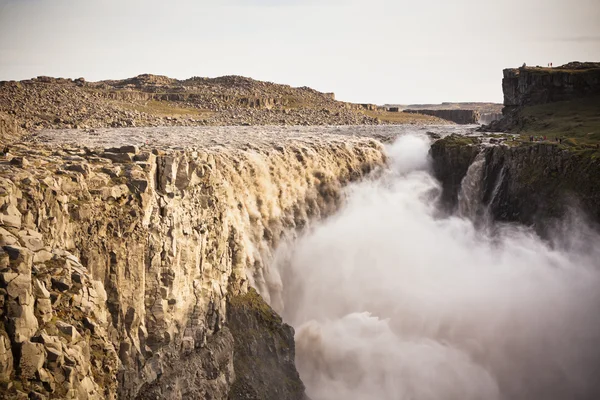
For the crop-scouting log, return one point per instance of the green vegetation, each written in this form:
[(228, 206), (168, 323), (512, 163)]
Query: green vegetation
[(403, 118), (252, 301), (459, 140), (576, 122), (166, 109)]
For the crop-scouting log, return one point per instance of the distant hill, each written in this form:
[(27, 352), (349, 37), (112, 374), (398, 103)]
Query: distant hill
[(154, 100)]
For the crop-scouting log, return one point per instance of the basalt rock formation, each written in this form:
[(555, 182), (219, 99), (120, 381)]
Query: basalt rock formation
[(528, 86), (457, 116), (124, 272), (533, 184)]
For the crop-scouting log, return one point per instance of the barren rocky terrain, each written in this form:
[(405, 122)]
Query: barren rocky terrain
[(151, 100)]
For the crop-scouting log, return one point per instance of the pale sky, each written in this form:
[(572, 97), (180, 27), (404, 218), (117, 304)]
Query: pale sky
[(378, 51)]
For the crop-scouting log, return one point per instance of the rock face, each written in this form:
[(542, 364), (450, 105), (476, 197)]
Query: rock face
[(264, 351), (533, 184), (117, 264), (9, 128), (451, 160), (457, 116), (528, 86)]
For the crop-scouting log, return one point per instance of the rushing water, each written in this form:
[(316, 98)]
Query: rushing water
[(392, 301)]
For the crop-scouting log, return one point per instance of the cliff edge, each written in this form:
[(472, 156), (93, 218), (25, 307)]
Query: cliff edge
[(533, 86), (124, 271)]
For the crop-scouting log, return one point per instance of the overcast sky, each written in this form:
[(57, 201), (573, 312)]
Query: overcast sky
[(379, 51)]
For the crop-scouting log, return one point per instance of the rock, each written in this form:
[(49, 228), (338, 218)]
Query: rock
[(61, 283), (20, 161), (43, 309), (7, 239), (19, 285), (21, 259), (42, 256), (256, 327), (22, 321), (32, 243), (6, 358), (33, 395), (69, 332), (118, 157), (81, 168), (32, 359), (11, 221)]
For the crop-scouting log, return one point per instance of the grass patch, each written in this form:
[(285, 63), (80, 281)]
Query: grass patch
[(576, 122), (403, 118), (458, 140), (166, 109)]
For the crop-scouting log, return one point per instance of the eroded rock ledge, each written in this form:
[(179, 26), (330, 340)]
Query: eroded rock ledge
[(534, 184), (117, 264)]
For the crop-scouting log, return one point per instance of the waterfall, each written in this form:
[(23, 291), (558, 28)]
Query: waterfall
[(390, 301), (471, 190)]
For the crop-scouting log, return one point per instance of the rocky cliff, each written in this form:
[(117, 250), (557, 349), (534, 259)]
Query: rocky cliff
[(457, 116), (529, 86), (123, 270), (533, 184)]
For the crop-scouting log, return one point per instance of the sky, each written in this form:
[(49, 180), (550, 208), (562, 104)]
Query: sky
[(376, 51)]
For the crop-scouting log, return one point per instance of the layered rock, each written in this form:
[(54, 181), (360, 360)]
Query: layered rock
[(118, 263), (531, 184), (458, 116), (529, 86)]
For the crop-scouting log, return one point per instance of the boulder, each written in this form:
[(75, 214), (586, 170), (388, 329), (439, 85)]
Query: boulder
[(32, 359)]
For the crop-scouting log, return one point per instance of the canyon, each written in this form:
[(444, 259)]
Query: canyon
[(162, 253)]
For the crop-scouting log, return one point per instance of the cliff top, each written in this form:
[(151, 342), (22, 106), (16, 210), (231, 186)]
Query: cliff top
[(572, 67)]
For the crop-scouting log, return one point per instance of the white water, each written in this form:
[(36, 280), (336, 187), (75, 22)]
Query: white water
[(390, 302)]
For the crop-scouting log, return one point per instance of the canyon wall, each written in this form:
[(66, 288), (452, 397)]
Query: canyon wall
[(458, 116), (531, 184), (530, 86), (123, 270)]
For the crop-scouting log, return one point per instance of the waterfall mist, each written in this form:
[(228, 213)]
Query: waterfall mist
[(390, 300)]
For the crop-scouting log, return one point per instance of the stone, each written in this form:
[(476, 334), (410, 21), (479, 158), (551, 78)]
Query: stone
[(32, 243), (21, 259), (42, 256), (7, 238), (69, 332), (6, 358), (22, 322), (18, 286), (61, 283), (118, 157), (43, 309), (81, 168), (32, 359), (33, 395)]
